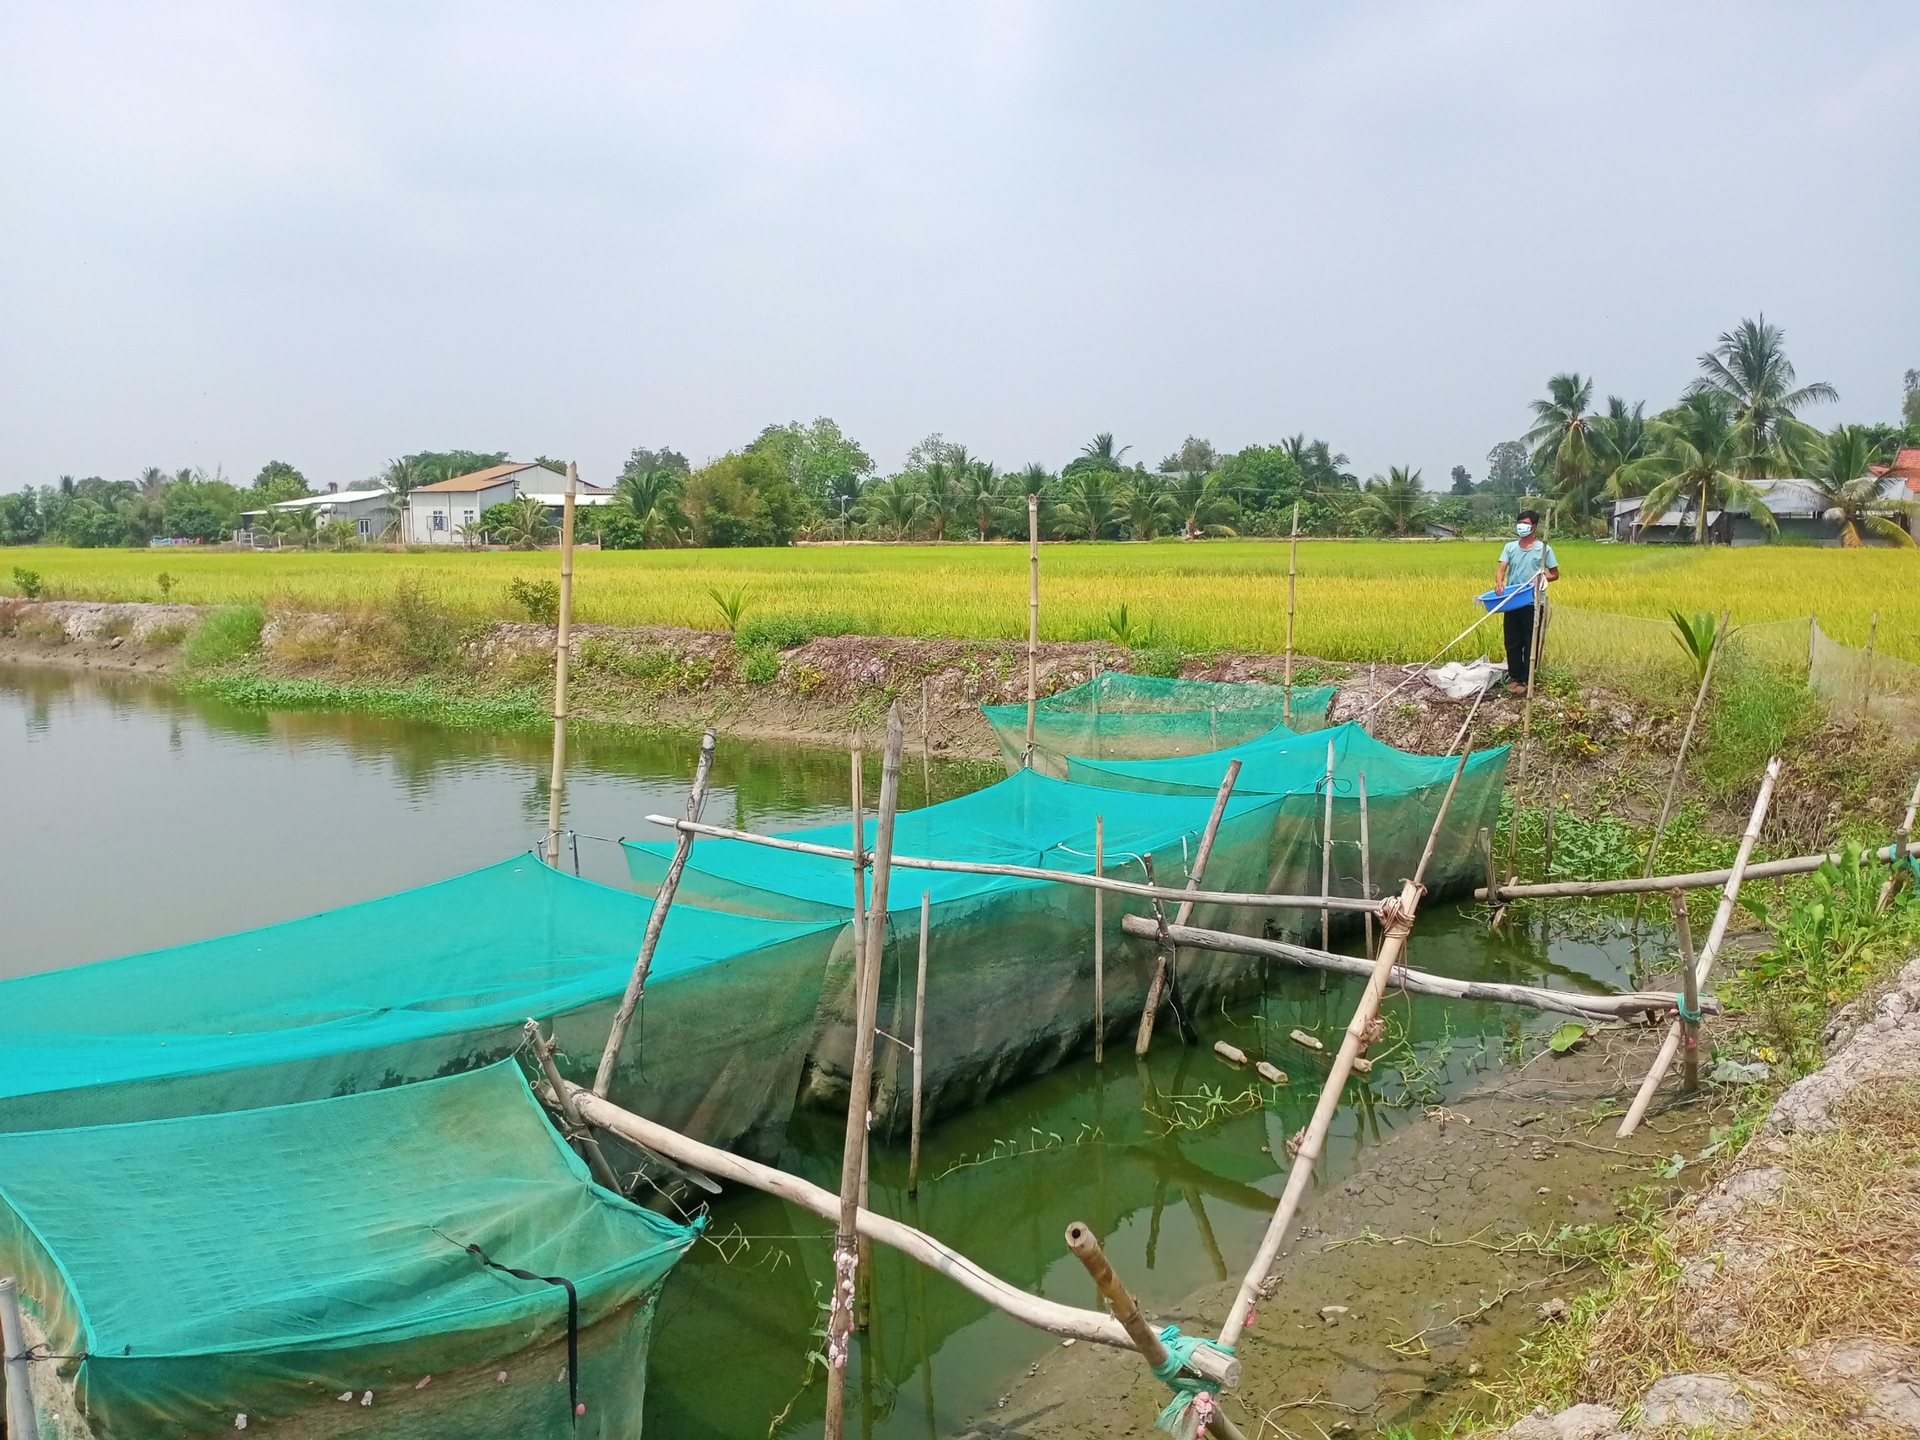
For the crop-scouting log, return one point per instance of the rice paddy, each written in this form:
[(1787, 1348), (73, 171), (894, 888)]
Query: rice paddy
[(1358, 600)]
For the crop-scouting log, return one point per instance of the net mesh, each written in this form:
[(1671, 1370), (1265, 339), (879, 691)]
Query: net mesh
[(264, 1262), (1859, 682), (428, 982), (1123, 717)]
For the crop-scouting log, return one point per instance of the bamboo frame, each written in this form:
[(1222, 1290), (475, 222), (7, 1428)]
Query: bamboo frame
[(1366, 862), (1691, 880), (859, 853), (562, 646), (1163, 967), (1534, 645), (1680, 760), (1293, 555), (1708, 952), (1326, 850), (919, 1040), (1689, 990), (656, 921), (1033, 618), (1099, 944), (596, 1162)]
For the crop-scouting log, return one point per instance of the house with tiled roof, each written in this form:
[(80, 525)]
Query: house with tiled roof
[(448, 512)]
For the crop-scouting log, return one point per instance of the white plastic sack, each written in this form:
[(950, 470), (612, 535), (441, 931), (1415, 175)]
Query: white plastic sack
[(1458, 679)]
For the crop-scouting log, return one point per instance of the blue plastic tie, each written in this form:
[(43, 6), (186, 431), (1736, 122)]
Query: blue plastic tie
[(1180, 1349)]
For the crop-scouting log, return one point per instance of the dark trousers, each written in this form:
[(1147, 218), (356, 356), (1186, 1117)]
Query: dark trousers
[(1519, 626)]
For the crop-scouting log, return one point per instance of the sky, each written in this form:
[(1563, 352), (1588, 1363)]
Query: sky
[(334, 234)]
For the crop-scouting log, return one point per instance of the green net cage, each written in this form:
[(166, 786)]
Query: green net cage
[(305, 1268), (1010, 961), (1117, 716), (1404, 792), (424, 983)]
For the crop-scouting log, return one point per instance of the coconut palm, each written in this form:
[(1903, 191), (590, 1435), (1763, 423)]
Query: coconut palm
[(1397, 503), (894, 504), (1146, 507), (1750, 370), (652, 496), (1098, 454), (525, 525), (1695, 454), (1851, 491), (1201, 506), (1619, 439), (1562, 441), (1087, 503), (982, 493), (152, 482), (942, 500)]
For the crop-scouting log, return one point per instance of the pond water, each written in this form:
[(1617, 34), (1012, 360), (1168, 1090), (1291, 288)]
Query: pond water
[(132, 817)]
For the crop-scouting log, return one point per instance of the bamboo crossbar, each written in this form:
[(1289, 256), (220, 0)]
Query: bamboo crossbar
[(1029, 872), (1693, 880), (1416, 982), (1034, 1310)]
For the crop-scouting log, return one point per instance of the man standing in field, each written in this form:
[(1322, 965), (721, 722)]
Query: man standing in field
[(1520, 563)]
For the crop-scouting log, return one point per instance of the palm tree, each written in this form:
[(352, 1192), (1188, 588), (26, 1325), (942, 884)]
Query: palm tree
[(1098, 454), (1619, 439), (1562, 441), (1146, 507), (526, 526), (894, 503), (1201, 506), (1398, 502), (1846, 482), (981, 493), (940, 497), (153, 482), (1750, 369), (1087, 502), (1696, 451), (650, 495)]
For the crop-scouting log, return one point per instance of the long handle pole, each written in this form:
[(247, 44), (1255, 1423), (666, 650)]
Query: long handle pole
[(1293, 558), (860, 1091), (562, 645), (1099, 944), (1326, 849), (21, 1420), (1680, 760), (1366, 861), (859, 861), (1163, 968), (1526, 718), (656, 922), (919, 1039), (1703, 968), (1033, 617)]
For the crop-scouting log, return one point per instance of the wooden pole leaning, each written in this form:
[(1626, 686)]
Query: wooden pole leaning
[(1526, 719), (1901, 840), (1703, 967), (1397, 919), (1689, 991), (860, 1090), (562, 646), (596, 1162), (1366, 862), (1163, 967), (859, 858), (1293, 555), (919, 1040), (656, 922), (21, 1419), (1099, 944), (1680, 760), (1691, 880), (1033, 619)]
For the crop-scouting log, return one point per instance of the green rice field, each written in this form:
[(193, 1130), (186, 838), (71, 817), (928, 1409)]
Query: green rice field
[(1358, 600)]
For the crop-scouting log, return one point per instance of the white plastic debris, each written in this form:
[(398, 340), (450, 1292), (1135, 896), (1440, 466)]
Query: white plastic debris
[(345, 1395), (367, 1399), (1458, 679), (240, 1421)]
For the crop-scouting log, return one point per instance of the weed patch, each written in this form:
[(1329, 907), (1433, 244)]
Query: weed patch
[(424, 700), (224, 637)]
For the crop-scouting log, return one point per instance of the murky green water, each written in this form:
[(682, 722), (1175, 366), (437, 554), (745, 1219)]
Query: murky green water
[(131, 817)]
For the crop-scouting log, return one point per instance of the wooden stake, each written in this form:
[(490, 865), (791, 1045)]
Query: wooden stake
[(1486, 861), (1397, 918), (596, 1162), (1680, 760), (1366, 862), (1692, 880), (926, 739), (919, 1039), (21, 1419), (1326, 849), (859, 861), (1293, 555), (656, 921), (562, 644), (1526, 717), (1099, 944), (1163, 967), (1689, 991), (1866, 680), (1708, 952), (1813, 632), (860, 1091), (1902, 838), (1033, 617)]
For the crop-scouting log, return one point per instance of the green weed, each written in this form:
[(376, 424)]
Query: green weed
[(225, 637)]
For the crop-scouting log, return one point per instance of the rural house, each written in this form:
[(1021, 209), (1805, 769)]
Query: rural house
[(446, 512), (372, 512)]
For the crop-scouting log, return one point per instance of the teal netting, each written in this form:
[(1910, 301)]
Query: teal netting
[(1010, 962), (427, 982), (266, 1262), (1403, 796), (1117, 716)]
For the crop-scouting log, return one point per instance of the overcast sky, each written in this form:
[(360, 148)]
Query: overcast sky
[(333, 234)]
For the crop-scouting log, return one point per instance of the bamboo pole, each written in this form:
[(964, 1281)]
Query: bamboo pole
[(1397, 918), (1813, 632), (596, 1162), (1526, 717), (1708, 952), (1691, 880), (926, 739), (1415, 982), (1326, 849), (1034, 1310), (1163, 967), (1900, 842), (1866, 680), (1366, 862), (860, 1090), (859, 857), (562, 644), (1293, 555), (1033, 618), (919, 1039), (1680, 760), (656, 921), (22, 1422), (1418, 671), (1099, 944), (1245, 899), (1689, 991)]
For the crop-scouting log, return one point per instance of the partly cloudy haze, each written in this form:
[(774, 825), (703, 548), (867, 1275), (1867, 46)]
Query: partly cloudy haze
[(333, 234)]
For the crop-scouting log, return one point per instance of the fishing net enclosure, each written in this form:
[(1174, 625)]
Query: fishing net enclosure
[(1140, 717), (1404, 792), (427, 982), (305, 1266), (1856, 682), (1010, 960)]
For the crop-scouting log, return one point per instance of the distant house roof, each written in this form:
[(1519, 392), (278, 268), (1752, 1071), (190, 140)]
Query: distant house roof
[(1906, 465), (332, 497), (495, 475)]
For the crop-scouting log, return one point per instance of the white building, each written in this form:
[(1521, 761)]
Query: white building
[(448, 512), (372, 511)]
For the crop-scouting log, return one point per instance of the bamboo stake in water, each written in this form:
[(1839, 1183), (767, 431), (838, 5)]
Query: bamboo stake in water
[(1099, 944), (1326, 849), (21, 1419), (1397, 919), (1162, 970), (656, 922), (1689, 990), (562, 643), (860, 1089), (919, 1039), (859, 856), (1900, 842), (1680, 760), (1293, 553), (1366, 862), (1033, 617), (1703, 968)]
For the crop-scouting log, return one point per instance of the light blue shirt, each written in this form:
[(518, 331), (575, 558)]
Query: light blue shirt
[(1523, 563)]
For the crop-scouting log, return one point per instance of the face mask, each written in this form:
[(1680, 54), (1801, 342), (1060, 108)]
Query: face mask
[(1523, 529)]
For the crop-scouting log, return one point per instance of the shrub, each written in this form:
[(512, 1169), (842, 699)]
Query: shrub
[(772, 632), (27, 581), (539, 598), (165, 636), (1161, 660), (225, 636), (165, 582), (762, 667)]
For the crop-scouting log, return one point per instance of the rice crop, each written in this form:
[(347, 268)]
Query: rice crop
[(1358, 600)]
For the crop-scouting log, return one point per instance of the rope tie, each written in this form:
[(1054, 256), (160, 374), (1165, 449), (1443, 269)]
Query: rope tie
[(1187, 1388), (1690, 1017)]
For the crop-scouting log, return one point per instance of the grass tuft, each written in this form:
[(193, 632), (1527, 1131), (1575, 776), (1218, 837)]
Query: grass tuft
[(224, 637)]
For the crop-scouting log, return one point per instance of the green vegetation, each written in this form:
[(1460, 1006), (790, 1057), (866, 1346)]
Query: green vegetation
[(424, 700), (539, 598), (225, 637), (27, 582)]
